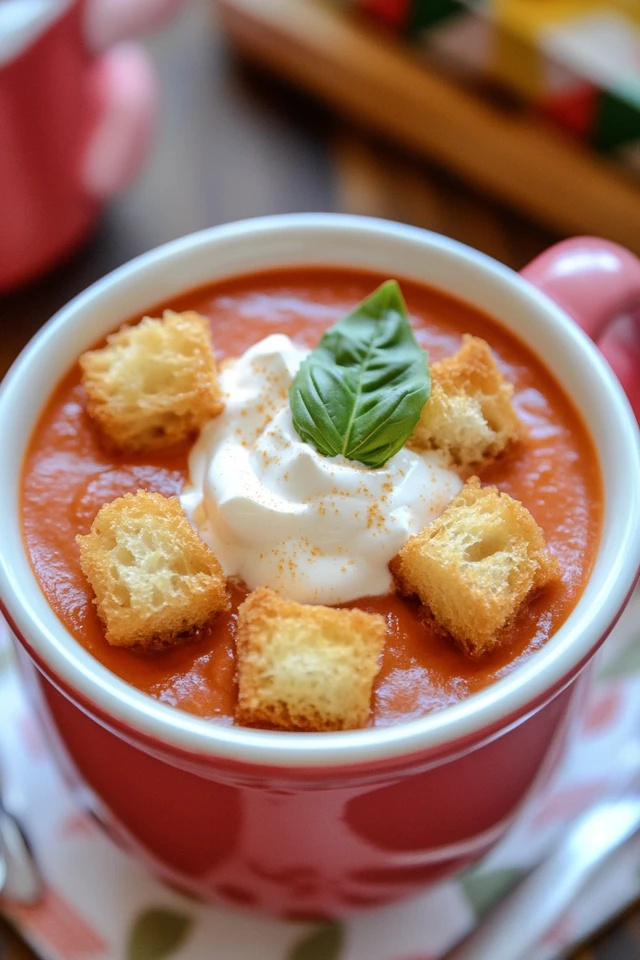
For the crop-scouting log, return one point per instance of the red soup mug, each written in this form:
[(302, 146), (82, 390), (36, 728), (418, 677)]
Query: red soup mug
[(303, 824)]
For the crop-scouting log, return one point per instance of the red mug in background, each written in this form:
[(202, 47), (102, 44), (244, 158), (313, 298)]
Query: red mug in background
[(77, 103), (304, 824)]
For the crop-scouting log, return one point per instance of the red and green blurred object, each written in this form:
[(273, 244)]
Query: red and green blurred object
[(575, 61)]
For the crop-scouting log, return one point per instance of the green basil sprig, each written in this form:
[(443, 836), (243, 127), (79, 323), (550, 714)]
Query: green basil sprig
[(361, 391)]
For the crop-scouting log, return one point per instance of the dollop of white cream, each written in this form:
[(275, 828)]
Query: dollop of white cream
[(277, 513)]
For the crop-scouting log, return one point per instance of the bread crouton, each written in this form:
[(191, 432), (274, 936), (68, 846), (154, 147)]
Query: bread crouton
[(154, 383), (469, 415), (154, 579), (475, 564), (305, 667)]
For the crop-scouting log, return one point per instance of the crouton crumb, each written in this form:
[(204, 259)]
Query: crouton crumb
[(305, 667), (153, 384), (155, 581), (474, 566), (469, 415)]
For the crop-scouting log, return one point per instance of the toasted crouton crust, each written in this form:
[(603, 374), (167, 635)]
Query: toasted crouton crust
[(154, 579), (305, 667), (474, 565), (469, 415), (154, 384)]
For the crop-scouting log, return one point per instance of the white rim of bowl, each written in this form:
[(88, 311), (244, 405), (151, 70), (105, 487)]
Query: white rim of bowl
[(529, 684)]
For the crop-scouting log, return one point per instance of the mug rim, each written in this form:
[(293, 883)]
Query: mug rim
[(545, 671)]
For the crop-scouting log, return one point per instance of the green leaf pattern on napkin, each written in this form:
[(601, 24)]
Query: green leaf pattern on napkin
[(323, 943), (6, 657), (485, 888), (157, 933), (626, 663)]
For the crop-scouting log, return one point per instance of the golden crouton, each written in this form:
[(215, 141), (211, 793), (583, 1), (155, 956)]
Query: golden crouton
[(475, 564), (469, 415), (154, 579), (303, 667), (154, 384)]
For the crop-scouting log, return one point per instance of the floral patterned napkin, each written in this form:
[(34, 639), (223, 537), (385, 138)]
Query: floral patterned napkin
[(99, 904)]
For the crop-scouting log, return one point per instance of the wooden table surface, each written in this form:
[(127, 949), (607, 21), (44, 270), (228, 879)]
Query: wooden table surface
[(232, 143)]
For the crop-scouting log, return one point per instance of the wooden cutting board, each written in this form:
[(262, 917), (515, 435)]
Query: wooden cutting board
[(379, 83)]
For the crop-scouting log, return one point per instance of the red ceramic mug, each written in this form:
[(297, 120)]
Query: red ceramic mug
[(319, 824), (76, 110)]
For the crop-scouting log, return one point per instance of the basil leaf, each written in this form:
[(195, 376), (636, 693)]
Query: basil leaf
[(360, 392)]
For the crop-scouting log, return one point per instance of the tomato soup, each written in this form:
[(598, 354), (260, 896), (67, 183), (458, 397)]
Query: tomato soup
[(68, 475)]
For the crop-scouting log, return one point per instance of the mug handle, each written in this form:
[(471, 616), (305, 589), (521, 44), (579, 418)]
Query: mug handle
[(598, 284), (121, 101)]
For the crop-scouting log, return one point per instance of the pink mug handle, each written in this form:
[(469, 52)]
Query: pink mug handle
[(598, 284)]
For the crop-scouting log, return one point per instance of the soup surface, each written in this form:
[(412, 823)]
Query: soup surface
[(554, 472)]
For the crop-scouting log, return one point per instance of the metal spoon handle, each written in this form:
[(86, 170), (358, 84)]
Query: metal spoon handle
[(531, 910), (20, 879)]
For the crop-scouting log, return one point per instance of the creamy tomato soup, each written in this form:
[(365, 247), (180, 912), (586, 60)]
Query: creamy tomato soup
[(68, 475)]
